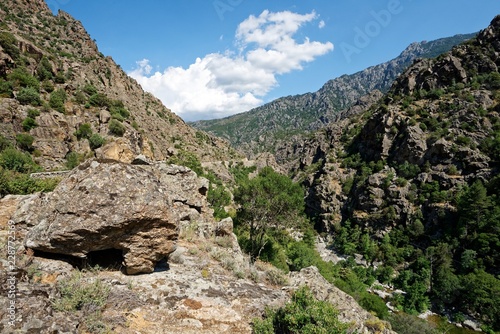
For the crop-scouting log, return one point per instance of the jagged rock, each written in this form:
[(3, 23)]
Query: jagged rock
[(110, 205)]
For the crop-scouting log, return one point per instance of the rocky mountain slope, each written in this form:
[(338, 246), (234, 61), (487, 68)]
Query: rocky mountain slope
[(412, 181), (261, 129), (66, 97), (90, 221)]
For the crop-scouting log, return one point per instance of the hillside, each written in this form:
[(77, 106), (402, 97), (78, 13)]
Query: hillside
[(411, 183), (58, 91), (262, 128)]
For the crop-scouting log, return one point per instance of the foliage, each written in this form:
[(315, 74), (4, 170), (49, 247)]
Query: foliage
[(9, 44), (73, 159), (116, 128), (99, 100), (188, 159), (268, 201), (77, 294), (44, 70), (404, 323), (303, 314), (22, 184), (29, 95), (29, 123), (24, 141), (84, 131), (57, 100), (15, 160), (96, 141), (218, 197), (22, 78)]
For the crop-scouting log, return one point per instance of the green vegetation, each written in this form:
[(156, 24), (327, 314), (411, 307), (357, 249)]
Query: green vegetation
[(29, 95), (303, 314), (96, 141), (268, 202), (116, 128), (57, 100), (84, 131)]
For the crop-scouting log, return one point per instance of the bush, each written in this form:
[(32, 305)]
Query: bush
[(6, 89), (48, 86), (57, 100), (77, 294), (96, 141), (84, 131), (116, 128), (25, 141), (33, 113), (9, 44), (15, 160), (90, 89), (44, 70), (29, 123), (22, 78), (303, 314), (73, 159), (99, 100), (29, 95)]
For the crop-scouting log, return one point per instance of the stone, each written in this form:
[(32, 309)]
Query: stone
[(108, 205)]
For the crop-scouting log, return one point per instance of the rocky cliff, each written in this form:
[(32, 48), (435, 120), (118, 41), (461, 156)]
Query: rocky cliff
[(265, 128), (411, 181), (52, 73)]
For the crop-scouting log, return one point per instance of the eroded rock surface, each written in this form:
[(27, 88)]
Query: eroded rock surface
[(110, 205)]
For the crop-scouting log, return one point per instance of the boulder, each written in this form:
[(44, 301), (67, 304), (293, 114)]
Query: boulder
[(103, 206)]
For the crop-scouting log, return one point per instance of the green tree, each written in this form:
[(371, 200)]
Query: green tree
[(96, 141), (268, 201)]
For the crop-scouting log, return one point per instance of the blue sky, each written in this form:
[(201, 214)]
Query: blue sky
[(212, 58)]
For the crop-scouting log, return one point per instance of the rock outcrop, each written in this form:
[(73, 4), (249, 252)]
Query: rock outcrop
[(105, 205)]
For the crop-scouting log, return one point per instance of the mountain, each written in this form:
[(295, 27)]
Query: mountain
[(58, 91), (260, 129), (411, 182)]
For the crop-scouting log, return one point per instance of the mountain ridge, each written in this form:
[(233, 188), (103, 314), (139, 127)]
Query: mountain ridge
[(257, 130)]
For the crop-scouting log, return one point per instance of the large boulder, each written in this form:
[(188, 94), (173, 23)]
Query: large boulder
[(116, 206)]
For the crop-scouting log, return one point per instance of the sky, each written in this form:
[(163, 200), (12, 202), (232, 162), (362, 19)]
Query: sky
[(209, 59)]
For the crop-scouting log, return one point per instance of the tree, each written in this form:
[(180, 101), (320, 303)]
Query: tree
[(268, 201)]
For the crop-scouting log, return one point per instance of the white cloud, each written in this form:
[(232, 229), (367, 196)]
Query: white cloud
[(321, 24), (220, 85)]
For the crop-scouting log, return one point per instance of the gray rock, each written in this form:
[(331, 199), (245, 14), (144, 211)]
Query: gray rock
[(102, 206)]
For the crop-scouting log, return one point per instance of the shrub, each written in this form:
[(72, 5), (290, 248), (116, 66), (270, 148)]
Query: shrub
[(57, 100), (73, 159), (90, 89), (29, 95), (99, 100), (29, 123), (6, 89), (33, 113), (48, 86), (44, 70), (116, 128), (84, 131), (25, 141), (77, 294), (303, 314), (15, 160), (22, 78), (9, 44), (96, 141)]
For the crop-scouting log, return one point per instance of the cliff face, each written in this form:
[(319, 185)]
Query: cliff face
[(267, 127), (77, 85), (416, 174)]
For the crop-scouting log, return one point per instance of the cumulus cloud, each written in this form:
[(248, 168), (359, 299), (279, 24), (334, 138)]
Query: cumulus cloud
[(222, 84)]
